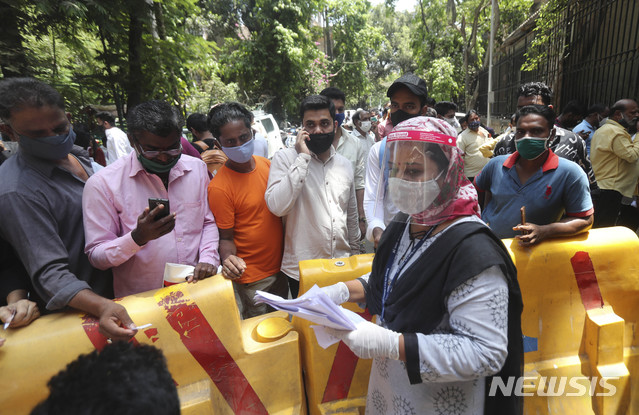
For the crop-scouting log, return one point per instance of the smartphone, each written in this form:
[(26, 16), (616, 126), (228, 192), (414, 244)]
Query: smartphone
[(153, 202)]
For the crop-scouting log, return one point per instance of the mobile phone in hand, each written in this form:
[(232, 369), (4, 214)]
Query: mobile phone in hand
[(154, 202)]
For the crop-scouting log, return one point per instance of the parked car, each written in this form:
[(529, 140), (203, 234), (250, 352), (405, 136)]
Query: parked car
[(266, 125)]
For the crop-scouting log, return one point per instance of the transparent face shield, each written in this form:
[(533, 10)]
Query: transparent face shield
[(421, 172), (416, 174)]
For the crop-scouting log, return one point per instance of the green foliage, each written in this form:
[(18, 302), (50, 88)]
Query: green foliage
[(441, 76), (265, 53), (271, 55), (548, 35), (353, 39), (459, 31), (393, 55)]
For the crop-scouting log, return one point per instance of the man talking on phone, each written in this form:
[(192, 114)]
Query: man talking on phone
[(312, 187), (124, 233)]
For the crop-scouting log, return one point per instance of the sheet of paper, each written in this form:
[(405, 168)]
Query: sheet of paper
[(325, 339), (314, 305)]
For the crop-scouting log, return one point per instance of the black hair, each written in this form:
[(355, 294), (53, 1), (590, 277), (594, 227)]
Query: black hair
[(333, 93), (443, 107), (596, 108), (471, 112), (224, 113), (536, 89), (156, 117), (317, 102), (105, 116), (542, 110), (121, 379), (20, 93), (82, 135), (430, 102), (197, 121), (574, 107)]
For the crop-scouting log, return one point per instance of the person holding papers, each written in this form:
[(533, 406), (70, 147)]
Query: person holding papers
[(443, 287)]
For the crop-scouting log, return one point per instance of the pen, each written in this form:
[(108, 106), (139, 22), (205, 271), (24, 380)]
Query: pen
[(10, 319)]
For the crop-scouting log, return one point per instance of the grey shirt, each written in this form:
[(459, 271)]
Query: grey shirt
[(41, 218)]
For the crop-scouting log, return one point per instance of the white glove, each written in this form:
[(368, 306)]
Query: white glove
[(338, 293), (369, 340)]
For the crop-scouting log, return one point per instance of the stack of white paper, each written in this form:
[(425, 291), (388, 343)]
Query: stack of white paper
[(314, 306)]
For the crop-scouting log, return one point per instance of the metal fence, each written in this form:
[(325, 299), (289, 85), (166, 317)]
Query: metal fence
[(593, 57)]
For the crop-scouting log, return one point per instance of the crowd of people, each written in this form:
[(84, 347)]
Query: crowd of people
[(425, 188)]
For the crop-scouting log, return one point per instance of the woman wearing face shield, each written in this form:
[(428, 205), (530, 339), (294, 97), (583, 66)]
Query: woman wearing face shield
[(442, 286)]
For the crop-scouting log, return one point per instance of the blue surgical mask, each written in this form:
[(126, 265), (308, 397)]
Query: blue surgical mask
[(49, 148), (240, 154), (340, 118), (474, 125)]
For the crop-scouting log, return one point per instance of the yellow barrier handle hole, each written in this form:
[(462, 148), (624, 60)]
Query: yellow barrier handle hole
[(272, 329)]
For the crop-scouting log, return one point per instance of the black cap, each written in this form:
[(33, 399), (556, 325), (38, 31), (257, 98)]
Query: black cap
[(413, 82)]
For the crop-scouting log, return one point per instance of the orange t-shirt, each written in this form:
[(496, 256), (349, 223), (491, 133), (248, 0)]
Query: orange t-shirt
[(237, 201)]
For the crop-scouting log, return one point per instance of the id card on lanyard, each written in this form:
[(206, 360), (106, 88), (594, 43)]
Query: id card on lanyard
[(389, 282)]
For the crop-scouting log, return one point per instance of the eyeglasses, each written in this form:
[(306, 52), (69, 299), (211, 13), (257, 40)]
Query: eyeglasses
[(151, 154)]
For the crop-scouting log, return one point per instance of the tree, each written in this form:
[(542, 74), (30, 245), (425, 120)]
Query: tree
[(353, 39), (272, 52), (459, 31), (393, 55)]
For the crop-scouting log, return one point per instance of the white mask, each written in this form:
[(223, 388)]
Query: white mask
[(453, 123), (413, 197), (365, 126)]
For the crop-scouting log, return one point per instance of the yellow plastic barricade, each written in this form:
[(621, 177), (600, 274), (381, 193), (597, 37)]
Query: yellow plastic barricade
[(336, 380), (581, 306), (220, 363)]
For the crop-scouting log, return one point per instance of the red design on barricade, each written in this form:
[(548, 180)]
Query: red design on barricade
[(342, 371), (186, 318), (91, 326), (586, 280), (152, 334)]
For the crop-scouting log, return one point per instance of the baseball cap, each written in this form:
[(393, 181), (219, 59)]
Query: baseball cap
[(411, 81)]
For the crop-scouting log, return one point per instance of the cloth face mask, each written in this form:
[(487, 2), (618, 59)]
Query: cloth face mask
[(49, 148), (240, 154), (531, 147)]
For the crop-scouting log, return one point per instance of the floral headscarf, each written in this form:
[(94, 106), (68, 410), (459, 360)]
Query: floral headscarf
[(457, 196)]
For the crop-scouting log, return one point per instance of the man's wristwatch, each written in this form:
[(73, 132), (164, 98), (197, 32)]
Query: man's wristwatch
[(362, 219)]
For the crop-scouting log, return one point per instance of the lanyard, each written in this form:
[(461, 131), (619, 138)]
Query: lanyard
[(390, 283)]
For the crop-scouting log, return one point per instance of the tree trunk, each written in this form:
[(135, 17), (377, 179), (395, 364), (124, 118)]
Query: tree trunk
[(13, 60), (136, 78)]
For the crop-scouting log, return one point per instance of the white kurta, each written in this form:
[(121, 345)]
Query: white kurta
[(469, 344)]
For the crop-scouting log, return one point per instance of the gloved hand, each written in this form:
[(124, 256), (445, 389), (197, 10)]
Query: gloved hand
[(369, 340), (487, 148), (338, 293)]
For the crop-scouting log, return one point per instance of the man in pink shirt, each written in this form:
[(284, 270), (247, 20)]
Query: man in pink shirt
[(122, 234)]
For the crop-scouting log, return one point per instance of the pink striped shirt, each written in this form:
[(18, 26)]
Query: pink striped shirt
[(113, 199)]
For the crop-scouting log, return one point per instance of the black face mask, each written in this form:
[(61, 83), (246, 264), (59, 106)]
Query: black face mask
[(399, 116), (319, 143)]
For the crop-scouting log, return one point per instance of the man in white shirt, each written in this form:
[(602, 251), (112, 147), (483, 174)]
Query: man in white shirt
[(117, 142), (362, 129), (312, 188), (349, 146), (408, 97)]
